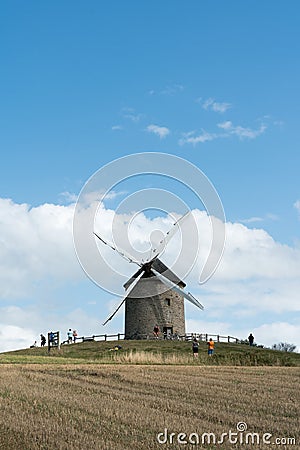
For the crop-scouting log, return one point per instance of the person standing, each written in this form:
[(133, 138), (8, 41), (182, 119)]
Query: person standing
[(195, 348), (251, 339), (51, 338), (69, 336), (211, 347), (43, 340), (156, 331), (74, 336)]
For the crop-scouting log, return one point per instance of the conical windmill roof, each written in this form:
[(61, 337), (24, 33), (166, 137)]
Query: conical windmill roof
[(160, 267)]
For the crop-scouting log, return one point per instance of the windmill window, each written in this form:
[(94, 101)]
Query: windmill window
[(168, 301)]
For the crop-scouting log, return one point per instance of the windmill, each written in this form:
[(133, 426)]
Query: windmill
[(154, 295)]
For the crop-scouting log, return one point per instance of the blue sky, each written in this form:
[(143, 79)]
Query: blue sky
[(84, 83)]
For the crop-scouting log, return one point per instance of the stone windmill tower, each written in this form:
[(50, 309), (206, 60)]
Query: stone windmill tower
[(151, 302), (154, 295)]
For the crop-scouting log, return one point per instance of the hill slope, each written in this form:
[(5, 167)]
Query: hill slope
[(153, 352)]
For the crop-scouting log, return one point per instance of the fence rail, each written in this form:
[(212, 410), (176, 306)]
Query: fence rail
[(215, 337), (185, 337)]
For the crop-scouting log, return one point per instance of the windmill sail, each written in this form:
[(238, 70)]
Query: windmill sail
[(163, 242), (124, 298), (166, 272), (121, 252), (177, 289)]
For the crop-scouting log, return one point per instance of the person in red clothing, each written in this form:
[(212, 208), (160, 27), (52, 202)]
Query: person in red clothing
[(74, 336), (156, 331)]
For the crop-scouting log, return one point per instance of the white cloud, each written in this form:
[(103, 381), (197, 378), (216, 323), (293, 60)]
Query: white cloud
[(227, 125), (228, 130), (117, 127), (15, 337), (253, 253), (205, 327), (192, 138), (239, 131), (68, 197), (256, 219), (273, 333), (266, 334), (131, 114), (211, 104), (35, 243), (169, 90), (172, 89), (97, 196), (21, 326), (273, 217), (162, 132), (252, 220), (41, 246)]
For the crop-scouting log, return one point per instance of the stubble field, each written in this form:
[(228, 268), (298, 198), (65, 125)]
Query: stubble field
[(120, 407)]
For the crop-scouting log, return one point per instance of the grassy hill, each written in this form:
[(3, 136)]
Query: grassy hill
[(153, 352)]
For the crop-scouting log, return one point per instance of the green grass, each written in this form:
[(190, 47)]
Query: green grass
[(153, 352)]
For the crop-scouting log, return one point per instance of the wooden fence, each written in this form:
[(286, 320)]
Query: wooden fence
[(215, 337), (186, 337)]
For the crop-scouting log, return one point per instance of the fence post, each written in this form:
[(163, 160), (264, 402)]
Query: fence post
[(206, 337), (118, 336), (218, 338), (228, 339), (105, 337)]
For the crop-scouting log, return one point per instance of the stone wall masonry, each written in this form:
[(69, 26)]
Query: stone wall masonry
[(164, 308)]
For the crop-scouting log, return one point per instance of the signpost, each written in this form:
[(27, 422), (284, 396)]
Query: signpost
[(53, 340)]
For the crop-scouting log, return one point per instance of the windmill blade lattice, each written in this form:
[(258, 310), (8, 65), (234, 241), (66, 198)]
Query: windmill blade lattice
[(174, 287), (163, 242), (124, 298), (121, 252)]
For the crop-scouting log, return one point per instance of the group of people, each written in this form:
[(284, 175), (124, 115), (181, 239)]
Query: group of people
[(210, 347), (195, 347), (71, 336), (43, 342)]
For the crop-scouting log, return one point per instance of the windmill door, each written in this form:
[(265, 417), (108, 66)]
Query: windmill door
[(168, 331)]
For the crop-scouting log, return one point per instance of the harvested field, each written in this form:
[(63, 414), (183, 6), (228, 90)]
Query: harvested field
[(120, 407)]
